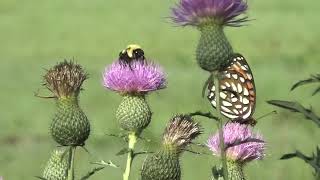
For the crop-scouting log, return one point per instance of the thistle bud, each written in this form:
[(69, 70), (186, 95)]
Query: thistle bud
[(70, 126), (164, 165)]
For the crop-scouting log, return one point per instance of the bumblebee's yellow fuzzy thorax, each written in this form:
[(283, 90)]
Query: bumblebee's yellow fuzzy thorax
[(130, 48)]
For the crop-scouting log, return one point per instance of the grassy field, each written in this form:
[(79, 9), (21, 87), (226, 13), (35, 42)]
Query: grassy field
[(281, 45)]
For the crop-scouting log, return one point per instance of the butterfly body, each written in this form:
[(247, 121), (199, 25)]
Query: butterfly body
[(237, 91)]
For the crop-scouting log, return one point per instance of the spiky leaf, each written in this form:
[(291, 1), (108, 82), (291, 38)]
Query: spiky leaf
[(297, 107), (40, 178), (123, 151), (217, 172), (92, 172), (313, 161), (313, 79)]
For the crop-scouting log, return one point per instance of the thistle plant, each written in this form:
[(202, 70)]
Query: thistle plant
[(214, 51), (70, 126), (309, 114), (242, 146), (164, 164), (133, 82), (210, 17)]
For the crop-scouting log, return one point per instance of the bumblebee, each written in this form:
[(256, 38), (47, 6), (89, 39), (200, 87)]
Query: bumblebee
[(133, 52)]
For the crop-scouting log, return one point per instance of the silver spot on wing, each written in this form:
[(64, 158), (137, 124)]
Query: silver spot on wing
[(245, 101), (235, 76), (239, 88), (226, 103), (245, 92)]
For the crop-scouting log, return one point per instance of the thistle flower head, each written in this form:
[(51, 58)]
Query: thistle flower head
[(65, 79), (138, 77), (242, 145), (180, 131), (197, 12)]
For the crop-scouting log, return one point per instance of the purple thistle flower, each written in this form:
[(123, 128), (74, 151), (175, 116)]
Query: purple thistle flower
[(140, 77), (197, 12), (241, 144)]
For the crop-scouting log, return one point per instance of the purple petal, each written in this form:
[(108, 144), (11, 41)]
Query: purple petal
[(139, 77), (243, 144), (194, 12)]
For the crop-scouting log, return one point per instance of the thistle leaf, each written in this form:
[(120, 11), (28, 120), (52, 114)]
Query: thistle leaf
[(39, 177), (142, 152), (313, 79), (103, 163), (217, 172), (288, 156), (195, 152), (313, 161), (316, 91), (123, 151), (203, 114), (92, 172), (121, 136), (297, 107)]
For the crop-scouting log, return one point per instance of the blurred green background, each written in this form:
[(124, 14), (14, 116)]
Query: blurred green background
[(281, 45)]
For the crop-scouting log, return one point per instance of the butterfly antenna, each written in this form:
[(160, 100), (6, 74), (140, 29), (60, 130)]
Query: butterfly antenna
[(268, 114)]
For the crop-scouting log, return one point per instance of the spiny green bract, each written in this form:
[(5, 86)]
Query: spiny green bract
[(70, 126), (133, 113), (57, 166), (163, 165), (214, 50)]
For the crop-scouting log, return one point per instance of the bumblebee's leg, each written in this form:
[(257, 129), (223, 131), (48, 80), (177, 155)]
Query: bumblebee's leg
[(129, 64), (122, 62)]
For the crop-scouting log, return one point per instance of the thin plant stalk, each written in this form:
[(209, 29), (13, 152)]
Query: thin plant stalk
[(220, 125), (72, 152), (132, 141)]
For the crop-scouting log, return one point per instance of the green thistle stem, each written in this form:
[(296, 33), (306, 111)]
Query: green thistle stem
[(57, 166), (220, 125), (72, 152), (235, 171), (132, 141)]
